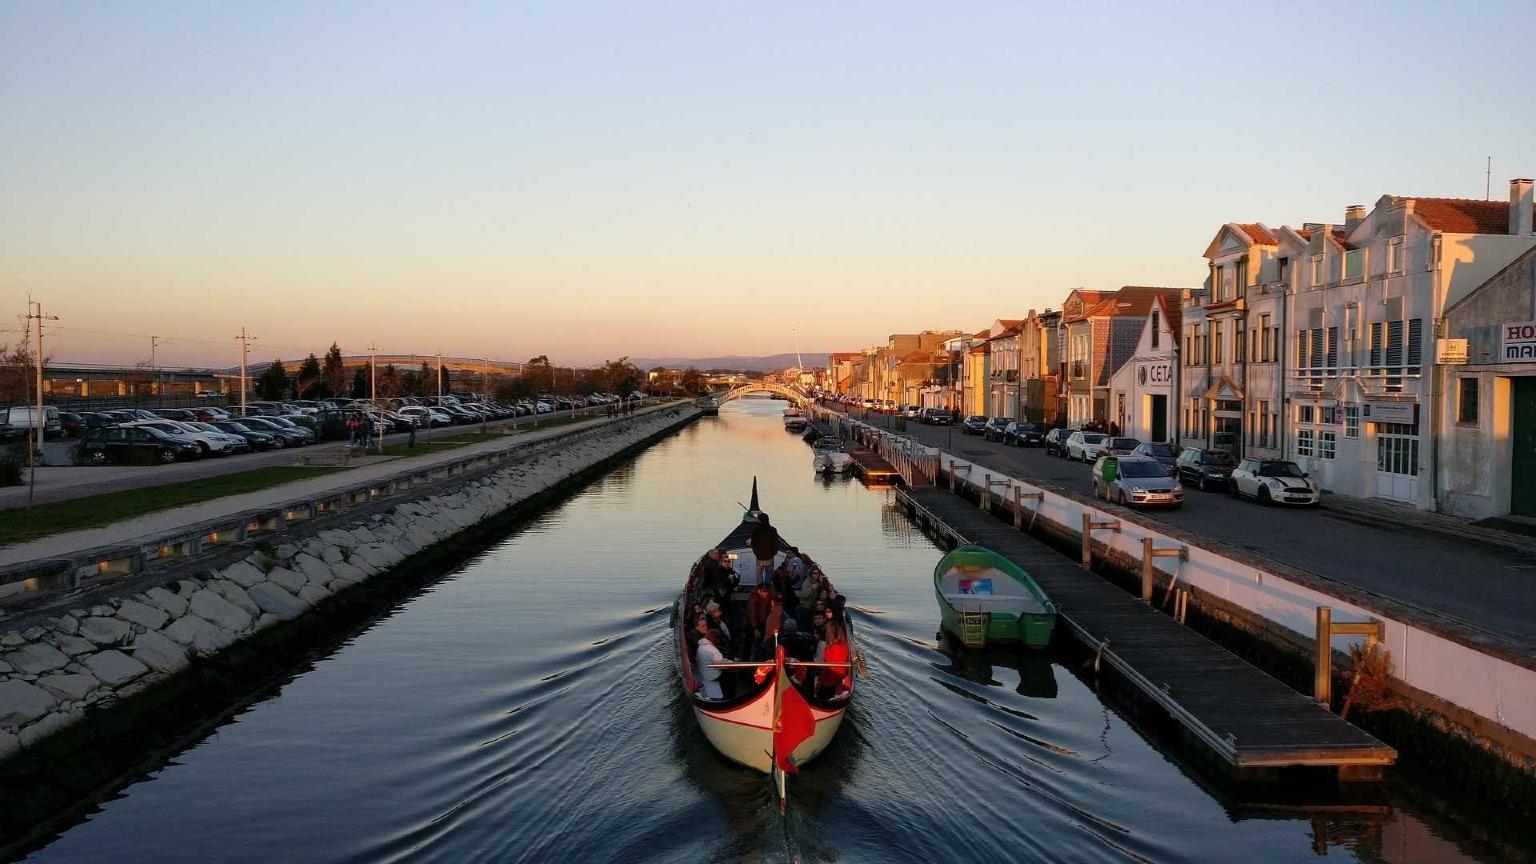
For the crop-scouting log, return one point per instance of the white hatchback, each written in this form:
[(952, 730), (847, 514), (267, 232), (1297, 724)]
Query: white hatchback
[(1085, 446), (1274, 481)]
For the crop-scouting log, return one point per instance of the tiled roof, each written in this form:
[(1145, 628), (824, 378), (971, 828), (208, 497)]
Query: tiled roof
[(1462, 215), (982, 334), (1173, 314), (1339, 235), (1258, 233), (917, 357), (1130, 301)]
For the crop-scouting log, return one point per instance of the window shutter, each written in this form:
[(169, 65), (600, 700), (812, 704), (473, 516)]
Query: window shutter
[(1394, 343), (1333, 347), (1375, 344), (1316, 353), (1301, 349), (1416, 342)]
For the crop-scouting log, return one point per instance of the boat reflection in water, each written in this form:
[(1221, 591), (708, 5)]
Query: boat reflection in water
[(1037, 674)]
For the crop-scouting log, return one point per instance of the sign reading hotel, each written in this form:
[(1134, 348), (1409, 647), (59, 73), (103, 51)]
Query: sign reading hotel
[(1519, 342)]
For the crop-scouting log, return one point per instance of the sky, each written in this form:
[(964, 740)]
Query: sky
[(591, 180)]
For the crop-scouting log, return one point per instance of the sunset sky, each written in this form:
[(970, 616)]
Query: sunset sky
[(589, 180)]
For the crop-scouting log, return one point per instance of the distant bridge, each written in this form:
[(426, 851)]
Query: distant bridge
[(793, 394)]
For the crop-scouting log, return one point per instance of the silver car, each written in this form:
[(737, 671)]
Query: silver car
[(1136, 481)]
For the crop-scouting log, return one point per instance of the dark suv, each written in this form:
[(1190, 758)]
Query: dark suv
[(1206, 469), (938, 417), (993, 431), (974, 424)]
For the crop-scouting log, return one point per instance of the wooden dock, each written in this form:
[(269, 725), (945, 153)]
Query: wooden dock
[(1249, 720)]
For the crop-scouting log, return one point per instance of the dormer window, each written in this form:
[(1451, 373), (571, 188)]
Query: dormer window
[(1317, 271)]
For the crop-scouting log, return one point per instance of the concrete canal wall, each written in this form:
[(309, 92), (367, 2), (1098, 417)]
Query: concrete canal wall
[(1470, 685), (65, 661)]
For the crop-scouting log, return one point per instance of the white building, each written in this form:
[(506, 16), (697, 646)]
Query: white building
[(1144, 391), (1361, 320)]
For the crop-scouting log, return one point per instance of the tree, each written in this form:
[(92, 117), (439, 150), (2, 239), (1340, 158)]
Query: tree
[(621, 376), (141, 381), (426, 381), (309, 377), (693, 382), (389, 382), (410, 383), (538, 371), (334, 372), (17, 374), (273, 383), (360, 383), (512, 389)]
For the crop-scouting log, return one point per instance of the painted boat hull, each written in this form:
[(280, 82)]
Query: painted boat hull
[(832, 463), (744, 735), (1004, 625)]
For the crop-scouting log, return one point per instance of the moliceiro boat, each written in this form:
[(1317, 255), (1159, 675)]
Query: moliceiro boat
[(709, 406), (984, 597), (776, 705)]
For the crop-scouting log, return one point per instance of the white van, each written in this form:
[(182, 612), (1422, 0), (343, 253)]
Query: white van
[(16, 420)]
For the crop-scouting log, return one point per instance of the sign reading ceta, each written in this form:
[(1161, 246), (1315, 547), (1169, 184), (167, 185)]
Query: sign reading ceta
[(1158, 375)]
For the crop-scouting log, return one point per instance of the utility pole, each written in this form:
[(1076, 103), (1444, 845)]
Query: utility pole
[(373, 393), (439, 394), (245, 350), (485, 384), (154, 371), (35, 313)]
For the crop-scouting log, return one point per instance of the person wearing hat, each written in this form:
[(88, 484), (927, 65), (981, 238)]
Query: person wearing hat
[(705, 654), (716, 618), (765, 545)]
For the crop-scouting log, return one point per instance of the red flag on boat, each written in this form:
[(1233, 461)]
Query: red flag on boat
[(794, 722)]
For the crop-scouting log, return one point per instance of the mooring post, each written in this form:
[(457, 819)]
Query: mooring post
[(986, 493), (1322, 681), (1018, 507), (1089, 525)]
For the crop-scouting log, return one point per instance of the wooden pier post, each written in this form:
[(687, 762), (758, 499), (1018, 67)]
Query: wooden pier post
[(1149, 555), (1089, 526), (1322, 678)]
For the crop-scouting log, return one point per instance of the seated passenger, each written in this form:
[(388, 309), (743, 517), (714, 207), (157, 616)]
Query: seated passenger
[(714, 572), (833, 649), (705, 654), (716, 621)]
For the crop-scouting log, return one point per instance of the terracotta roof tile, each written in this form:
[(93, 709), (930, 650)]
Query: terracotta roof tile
[(1258, 233), (1461, 215)]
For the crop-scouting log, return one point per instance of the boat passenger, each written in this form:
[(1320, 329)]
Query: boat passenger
[(714, 573), (705, 654), (771, 625), (833, 649), (765, 545), (717, 622), (759, 604)]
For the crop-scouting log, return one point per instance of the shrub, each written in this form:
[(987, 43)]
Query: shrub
[(13, 461)]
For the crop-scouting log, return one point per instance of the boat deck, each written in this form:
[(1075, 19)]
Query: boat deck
[(1248, 719)]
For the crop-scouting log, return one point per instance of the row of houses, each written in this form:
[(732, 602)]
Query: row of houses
[(1392, 355)]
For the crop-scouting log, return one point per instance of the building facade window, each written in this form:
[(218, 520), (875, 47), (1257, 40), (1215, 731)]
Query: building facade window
[(1325, 444), (1303, 442), (1263, 423), (1397, 448), (1395, 256), (1156, 327), (1216, 338), (1466, 400), (1264, 348), (1351, 421)]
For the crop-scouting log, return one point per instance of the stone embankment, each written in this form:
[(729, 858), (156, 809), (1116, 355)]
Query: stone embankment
[(55, 670)]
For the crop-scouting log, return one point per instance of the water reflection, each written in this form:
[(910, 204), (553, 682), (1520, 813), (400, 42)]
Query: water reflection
[(525, 708)]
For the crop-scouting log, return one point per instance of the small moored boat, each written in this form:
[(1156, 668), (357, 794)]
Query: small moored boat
[(830, 458), (794, 419), (770, 717), (984, 597), (709, 406)]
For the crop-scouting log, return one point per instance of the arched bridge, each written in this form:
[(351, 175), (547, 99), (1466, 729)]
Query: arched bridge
[(793, 394)]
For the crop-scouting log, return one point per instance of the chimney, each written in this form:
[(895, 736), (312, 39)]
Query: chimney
[(1520, 205), (1354, 214)]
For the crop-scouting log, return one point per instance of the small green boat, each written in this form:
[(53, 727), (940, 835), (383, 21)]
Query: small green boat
[(986, 598)]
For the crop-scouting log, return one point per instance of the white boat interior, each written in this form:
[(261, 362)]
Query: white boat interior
[(983, 589)]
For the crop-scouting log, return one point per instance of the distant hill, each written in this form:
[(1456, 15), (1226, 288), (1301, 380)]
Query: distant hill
[(813, 360)]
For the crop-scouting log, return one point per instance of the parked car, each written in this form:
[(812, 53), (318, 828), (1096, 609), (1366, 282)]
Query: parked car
[(210, 414), (96, 420), (1055, 441), (1274, 481), (993, 431), (1204, 468), (289, 434), (1022, 434), (427, 416), (181, 414), (207, 445), (1136, 481), (131, 445), (72, 425), (1085, 446), (16, 420), (976, 424), (940, 417), (1166, 454), (257, 439), (1120, 446), (236, 444)]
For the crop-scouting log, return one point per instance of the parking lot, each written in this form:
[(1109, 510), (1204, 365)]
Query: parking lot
[(1420, 569)]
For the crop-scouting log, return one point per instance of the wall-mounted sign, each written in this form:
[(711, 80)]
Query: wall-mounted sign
[(1450, 352), (1519, 341), (1154, 376), (1391, 412)]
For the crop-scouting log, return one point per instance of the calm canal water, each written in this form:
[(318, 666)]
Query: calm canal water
[(525, 708)]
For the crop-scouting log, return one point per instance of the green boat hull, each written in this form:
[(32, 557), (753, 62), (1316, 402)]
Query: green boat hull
[(1029, 627)]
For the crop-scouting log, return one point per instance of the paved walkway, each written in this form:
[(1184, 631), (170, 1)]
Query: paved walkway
[(60, 481), (60, 545), (1474, 577)]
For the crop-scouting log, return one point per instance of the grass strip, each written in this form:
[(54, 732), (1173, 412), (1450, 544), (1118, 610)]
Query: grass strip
[(21, 524)]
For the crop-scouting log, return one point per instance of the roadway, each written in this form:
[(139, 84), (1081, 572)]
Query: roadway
[(1481, 586)]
